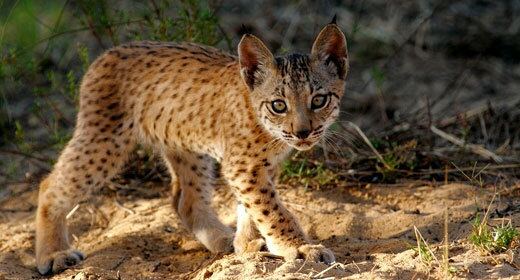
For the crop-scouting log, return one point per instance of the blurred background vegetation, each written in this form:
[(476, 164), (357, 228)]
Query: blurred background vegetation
[(434, 84)]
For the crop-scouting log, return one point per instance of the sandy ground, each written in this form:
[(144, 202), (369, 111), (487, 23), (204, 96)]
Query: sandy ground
[(133, 233)]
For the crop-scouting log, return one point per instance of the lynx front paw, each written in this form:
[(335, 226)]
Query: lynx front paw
[(316, 253), (59, 261), (310, 252), (255, 245)]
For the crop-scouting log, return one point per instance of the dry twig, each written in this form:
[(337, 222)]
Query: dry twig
[(476, 149), (367, 141), (69, 215), (466, 115), (332, 266), (126, 209)]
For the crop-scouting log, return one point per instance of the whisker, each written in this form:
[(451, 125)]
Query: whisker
[(339, 150), (268, 144), (347, 138), (330, 143), (355, 144)]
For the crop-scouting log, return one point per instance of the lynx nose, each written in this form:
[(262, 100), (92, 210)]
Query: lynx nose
[(304, 133)]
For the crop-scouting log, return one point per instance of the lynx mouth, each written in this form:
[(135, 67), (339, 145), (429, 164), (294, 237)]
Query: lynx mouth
[(303, 145)]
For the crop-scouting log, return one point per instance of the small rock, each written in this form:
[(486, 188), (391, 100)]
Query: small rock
[(80, 276)]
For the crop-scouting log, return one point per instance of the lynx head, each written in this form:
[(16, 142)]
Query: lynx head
[(296, 97)]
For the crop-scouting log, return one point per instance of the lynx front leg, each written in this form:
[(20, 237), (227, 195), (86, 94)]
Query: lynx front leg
[(247, 237), (192, 194), (283, 235)]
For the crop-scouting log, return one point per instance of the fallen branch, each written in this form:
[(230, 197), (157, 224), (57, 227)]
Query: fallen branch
[(466, 115), (476, 149)]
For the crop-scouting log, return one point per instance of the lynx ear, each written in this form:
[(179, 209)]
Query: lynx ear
[(255, 60), (331, 47)]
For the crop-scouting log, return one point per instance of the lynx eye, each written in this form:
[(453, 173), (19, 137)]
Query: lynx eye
[(319, 101), (279, 106)]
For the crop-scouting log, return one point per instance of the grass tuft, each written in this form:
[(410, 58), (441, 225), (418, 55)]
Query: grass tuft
[(423, 249), (306, 173), (492, 240)]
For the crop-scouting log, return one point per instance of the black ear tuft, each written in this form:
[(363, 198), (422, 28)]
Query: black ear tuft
[(334, 19), (244, 29)]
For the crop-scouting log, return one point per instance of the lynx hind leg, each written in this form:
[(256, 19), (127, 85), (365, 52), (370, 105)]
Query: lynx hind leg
[(247, 236), (85, 164), (53, 252), (192, 196)]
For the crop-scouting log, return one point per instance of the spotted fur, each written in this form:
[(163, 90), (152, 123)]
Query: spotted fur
[(195, 104)]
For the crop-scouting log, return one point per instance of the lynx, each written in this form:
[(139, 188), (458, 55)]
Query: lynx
[(195, 104)]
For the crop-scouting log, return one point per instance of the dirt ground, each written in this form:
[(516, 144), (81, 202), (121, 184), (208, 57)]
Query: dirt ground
[(133, 233)]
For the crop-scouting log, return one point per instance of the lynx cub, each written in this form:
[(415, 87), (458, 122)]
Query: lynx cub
[(194, 104)]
